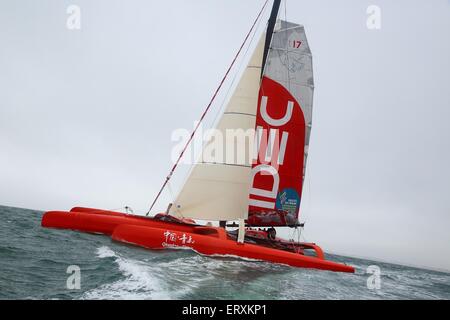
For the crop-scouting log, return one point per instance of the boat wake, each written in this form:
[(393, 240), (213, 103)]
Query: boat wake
[(165, 276), (139, 281)]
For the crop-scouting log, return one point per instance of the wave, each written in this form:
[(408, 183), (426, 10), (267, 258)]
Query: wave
[(139, 281), (34, 261)]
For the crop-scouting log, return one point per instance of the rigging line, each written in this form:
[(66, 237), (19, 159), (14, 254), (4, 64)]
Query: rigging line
[(309, 197), (236, 74), (225, 99), (207, 109), (306, 209), (173, 201)]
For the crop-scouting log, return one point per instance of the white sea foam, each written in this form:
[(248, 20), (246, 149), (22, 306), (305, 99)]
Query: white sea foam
[(140, 280), (166, 279), (105, 252)]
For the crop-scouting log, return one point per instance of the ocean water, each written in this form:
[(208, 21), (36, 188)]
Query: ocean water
[(34, 263)]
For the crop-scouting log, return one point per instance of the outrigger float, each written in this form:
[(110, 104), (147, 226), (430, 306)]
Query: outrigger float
[(274, 98)]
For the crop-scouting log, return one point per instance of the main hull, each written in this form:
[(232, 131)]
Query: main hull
[(102, 221), (156, 234)]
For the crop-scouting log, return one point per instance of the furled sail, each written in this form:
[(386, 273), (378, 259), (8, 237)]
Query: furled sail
[(283, 125), (219, 183)]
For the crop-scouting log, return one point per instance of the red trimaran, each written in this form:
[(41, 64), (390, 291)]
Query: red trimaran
[(274, 98)]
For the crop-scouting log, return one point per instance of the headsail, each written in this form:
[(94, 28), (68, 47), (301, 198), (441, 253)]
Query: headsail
[(217, 187), (275, 100), (283, 126)]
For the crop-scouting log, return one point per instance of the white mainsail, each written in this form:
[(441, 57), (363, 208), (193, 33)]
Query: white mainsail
[(218, 189)]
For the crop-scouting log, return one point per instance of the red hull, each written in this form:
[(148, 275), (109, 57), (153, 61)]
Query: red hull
[(156, 234), (102, 221)]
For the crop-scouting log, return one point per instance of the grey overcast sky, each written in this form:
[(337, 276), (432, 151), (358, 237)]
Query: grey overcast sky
[(86, 115)]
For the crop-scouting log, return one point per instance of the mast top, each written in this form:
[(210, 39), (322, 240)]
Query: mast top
[(270, 28)]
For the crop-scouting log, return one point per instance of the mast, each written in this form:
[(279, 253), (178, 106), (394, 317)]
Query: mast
[(270, 27)]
